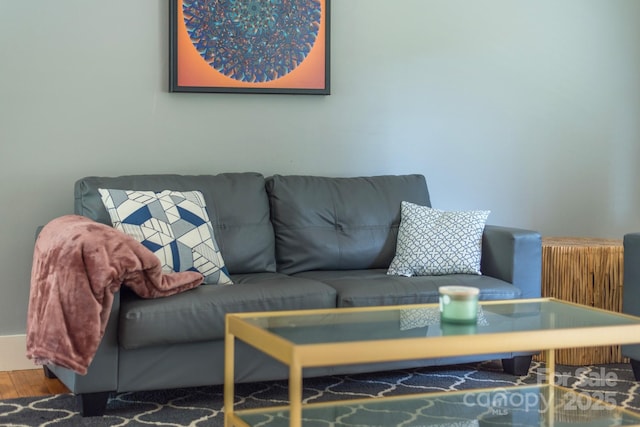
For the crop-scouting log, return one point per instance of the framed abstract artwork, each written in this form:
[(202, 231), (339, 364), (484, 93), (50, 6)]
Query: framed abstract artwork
[(249, 46)]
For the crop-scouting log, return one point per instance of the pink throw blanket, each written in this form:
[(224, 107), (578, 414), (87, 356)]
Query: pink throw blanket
[(78, 265)]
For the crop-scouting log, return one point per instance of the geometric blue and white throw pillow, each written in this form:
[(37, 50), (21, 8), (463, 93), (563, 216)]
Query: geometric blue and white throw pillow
[(173, 225), (434, 242)]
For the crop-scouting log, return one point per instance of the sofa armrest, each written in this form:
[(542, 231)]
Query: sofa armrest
[(515, 256)]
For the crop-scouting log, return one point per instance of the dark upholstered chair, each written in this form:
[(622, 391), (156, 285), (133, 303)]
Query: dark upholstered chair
[(631, 293)]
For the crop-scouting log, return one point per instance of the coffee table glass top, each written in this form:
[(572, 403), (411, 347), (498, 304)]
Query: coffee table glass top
[(347, 325), (330, 337), (535, 405)]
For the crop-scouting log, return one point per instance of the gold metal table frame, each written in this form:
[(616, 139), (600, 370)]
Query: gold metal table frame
[(252, 329)]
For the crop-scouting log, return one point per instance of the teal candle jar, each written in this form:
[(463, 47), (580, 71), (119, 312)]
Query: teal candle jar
[(459, 304), (449, 328)]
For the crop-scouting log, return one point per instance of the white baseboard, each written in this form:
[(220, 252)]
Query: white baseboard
[(13, 349)]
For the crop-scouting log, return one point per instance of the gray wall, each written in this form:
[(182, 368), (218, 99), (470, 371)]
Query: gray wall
[(529, 108)]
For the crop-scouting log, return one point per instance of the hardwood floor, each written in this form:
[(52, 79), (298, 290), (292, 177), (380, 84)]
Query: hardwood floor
[(27, 383)]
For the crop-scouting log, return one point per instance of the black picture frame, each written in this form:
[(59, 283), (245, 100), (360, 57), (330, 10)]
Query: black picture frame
[(279, 47)]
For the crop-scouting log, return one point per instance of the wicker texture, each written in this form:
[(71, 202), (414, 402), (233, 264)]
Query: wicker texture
[(586, 271)]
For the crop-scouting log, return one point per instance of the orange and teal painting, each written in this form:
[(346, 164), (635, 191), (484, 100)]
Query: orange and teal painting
[(270, 46)]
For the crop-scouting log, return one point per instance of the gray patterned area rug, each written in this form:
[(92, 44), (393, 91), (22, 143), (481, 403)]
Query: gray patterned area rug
[(202, 406)]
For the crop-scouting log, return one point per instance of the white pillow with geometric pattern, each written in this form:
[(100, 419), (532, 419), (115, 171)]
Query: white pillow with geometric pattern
[(174, 225), (433, 242)]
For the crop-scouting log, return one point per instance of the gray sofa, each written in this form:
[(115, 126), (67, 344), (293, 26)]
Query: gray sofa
[(289, 242)]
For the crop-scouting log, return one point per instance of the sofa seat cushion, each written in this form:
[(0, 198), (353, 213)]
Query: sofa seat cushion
[(199, 314), (363, 288)]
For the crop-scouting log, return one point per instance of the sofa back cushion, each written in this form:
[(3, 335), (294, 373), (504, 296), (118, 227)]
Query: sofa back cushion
[(237, 204), (324, 223)]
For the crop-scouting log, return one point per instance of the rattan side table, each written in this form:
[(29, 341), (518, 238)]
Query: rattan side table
[(586, 271)]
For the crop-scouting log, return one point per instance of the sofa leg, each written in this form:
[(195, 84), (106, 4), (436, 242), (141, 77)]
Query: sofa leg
[(518, 365), (48, 373), (93, 404), (635, 366)]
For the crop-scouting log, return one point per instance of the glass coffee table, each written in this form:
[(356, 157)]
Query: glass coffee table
[(313, 338)]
